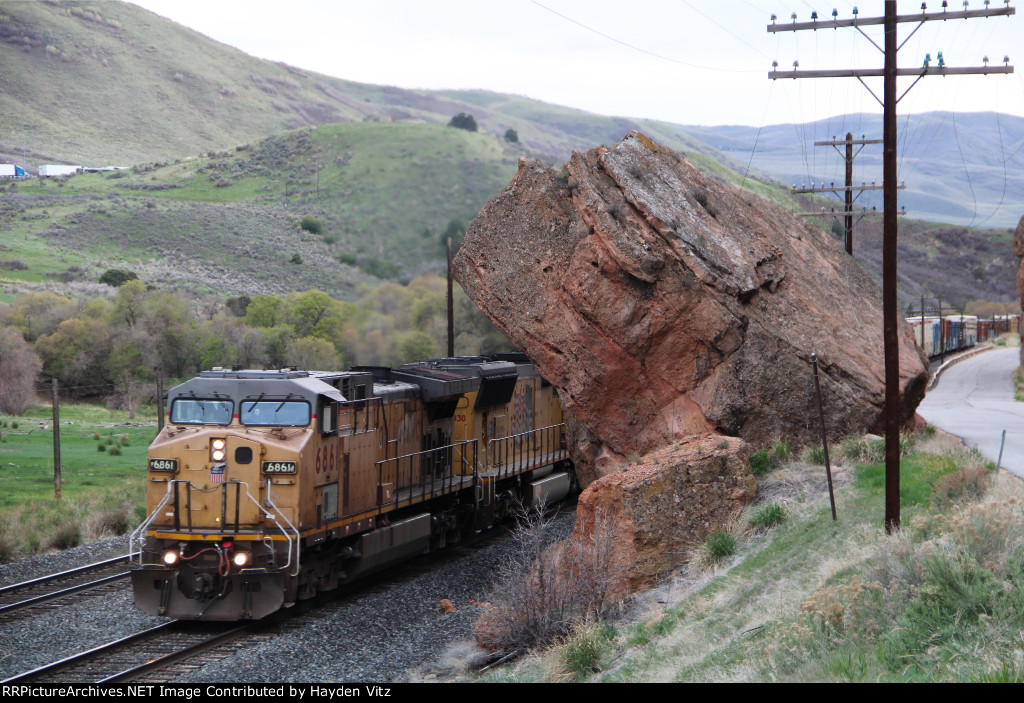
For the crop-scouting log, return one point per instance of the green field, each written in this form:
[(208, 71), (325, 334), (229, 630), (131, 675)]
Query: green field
[(102, 491)]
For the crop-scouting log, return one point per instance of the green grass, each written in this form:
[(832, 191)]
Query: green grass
[(818, 600), (767, 515), (720, 545), (99, 491)]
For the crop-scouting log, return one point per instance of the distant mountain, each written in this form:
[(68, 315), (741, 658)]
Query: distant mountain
[(964, 168)]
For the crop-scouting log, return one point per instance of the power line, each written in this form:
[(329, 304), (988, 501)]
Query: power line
[(634, 47)]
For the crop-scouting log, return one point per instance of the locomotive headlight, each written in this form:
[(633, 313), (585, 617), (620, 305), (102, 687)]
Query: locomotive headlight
[(217, 452), (171, 557), (241, 559)]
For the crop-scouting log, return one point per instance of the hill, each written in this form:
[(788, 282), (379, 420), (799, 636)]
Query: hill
[(113, 83)]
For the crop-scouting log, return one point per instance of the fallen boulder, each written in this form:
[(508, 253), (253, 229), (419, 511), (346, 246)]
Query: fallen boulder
[(664, 304), (651, 514)]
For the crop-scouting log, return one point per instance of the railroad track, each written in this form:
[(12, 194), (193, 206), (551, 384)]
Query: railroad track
[(92, 579), (161, 653)]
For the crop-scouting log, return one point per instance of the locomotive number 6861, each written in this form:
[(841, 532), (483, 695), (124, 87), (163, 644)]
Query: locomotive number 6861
[(266, 487)]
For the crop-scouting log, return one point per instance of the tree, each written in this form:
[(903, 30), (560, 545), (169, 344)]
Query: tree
[(116, 278), (312, 353), (511, 136), (264, 311), (19, 368), (238, 305), (128, 302), (463, 121)]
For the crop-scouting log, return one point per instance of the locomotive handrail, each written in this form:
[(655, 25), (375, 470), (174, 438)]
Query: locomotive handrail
[(273, 505), (525, 454), (428, 488), (145, 525), (171, 488)]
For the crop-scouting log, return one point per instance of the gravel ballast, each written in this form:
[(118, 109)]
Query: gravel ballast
[(391, 630)]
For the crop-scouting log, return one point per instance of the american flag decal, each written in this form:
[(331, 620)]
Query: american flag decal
[(217, 473)]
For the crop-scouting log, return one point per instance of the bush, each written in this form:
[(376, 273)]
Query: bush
[(584, 649), (760, 462), (814, 455), (511, 136), (347, 257), (546, 588), (781, 451), (66, 536), (720, 545), (117, 277), (296, 259), (463, 121), (768, 515), (311, 225)]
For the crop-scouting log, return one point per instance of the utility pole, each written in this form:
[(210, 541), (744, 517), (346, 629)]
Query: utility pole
[(848, 199), (56, 441), (450, 302), (889, 73)]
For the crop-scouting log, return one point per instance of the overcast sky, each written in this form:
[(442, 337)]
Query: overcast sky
[(685, 61)]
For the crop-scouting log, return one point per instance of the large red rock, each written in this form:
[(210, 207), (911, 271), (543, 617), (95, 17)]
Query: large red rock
[(664, 304)]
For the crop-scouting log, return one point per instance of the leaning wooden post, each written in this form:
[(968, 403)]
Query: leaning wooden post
[(56, 442), (824, 437)]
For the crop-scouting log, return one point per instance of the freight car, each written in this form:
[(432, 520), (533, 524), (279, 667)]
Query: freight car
[(943, 335), (266, 487)]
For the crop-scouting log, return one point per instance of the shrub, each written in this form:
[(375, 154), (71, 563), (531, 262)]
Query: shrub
[(971, 482), (768, 515), (115, 450), (511, 136), (311, 225), (347, 257), (296, 259), (720, 545), (760, 462), (545, 588), (101, 447), (66, 536), (814, 455), (463, 121), (584, 648), (117, 277), (781, 450)]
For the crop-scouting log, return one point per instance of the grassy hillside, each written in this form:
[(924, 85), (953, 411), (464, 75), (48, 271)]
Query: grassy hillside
[(793, 596), (111, 83), (385, 194)]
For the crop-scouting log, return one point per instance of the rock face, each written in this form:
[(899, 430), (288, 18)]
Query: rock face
[(663, 304), (658, 509), (1018, 249)]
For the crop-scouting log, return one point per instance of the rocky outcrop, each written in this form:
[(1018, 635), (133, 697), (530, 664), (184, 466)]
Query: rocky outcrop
[(664, 304), (652, 513)]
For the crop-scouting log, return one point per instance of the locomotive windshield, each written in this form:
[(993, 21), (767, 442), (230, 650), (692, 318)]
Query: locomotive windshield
[(201, 411), (275, 413)]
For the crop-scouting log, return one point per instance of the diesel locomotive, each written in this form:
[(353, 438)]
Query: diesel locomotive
[(266, 487)]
